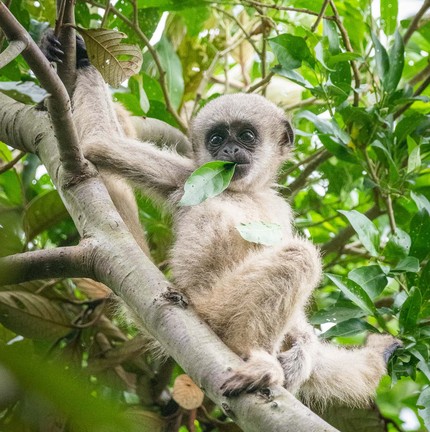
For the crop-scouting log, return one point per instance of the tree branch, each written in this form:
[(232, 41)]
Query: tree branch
[(12, 51), (12, 163), (415, 22), (59, 107), (62, 262)]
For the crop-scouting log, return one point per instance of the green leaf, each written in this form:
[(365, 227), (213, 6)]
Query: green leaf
[(371, 278), (11, 233), (33, 316), (389, 10), (291, 51), (264, 233), (414, 160), (293, 76), (381, 58), (398, 245), (365, 229), (343, 310), (354, 292), (11, 189), (421, 201), (420, 234), (207, 181), (172, 66), (410, 310), (423, 404), (350, 327), (407, 264), (397, 61), (43, 212), (115, 61)]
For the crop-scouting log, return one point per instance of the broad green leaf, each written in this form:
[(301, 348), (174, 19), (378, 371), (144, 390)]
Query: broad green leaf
[(115, 61), (11, 193), (43, 212), (207, 181), (423, 404), (264, 233), (343, 310), (407, 264), (354, 292), (389, 10), (291, 51), (398, 245), (365, 229), (397, 61), (381, 58), (421, 201), (420, 234), (11, 233), (172, 66), (371, 278), (410, 310), (350, 327), (293, 76), (330, 32), (33, 316), (424, 281), (414, 160), (342, 57)]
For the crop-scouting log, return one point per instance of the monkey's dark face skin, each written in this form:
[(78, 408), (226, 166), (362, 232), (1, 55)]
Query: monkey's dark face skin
[(233, 142)]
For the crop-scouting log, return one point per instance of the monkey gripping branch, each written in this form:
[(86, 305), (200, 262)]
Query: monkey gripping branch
[(108, 253)]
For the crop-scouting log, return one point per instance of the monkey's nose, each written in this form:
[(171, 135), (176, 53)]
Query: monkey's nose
[(230, 150)]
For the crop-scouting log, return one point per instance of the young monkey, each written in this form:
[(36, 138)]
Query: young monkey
[(252, 296)]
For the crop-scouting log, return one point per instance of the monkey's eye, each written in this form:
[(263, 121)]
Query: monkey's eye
[(216, 139), (247, 136)]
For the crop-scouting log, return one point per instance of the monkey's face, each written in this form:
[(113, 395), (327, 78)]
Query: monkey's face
[(233, 142), (246, 129)]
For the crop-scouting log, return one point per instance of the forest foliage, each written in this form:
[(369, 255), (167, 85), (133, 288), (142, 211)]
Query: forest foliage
[(355, 83)]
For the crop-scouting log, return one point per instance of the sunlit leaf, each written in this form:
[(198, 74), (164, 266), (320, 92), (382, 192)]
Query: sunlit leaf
[(264, 233), (365, 229), (389, 9), (207, 181), (291, 51), (371, 278), (354, 292), (115, 61), (350, 327)]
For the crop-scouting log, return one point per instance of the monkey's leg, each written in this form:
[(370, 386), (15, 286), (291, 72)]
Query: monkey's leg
[(347, 376), (250, 308)]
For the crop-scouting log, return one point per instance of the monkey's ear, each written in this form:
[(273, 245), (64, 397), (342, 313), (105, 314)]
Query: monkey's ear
[(287, 138)]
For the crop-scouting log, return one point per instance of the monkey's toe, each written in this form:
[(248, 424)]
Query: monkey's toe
[(242, 382)]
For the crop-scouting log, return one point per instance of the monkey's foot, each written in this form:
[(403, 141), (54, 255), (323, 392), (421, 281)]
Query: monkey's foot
[(384, 344), (261, 370), (297, 366)]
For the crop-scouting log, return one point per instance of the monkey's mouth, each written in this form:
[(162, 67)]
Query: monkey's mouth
[(241, 170)]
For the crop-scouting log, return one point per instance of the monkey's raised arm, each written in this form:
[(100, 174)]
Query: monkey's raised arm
[(104, 143)]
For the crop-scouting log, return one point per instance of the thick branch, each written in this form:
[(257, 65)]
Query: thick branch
[(62, 262), (119, 263), (58, 102), (13, 50)]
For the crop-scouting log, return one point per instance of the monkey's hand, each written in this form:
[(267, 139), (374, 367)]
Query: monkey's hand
[(51, 48), (259, 371)]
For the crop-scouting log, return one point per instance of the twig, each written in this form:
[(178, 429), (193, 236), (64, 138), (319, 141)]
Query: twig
[(348, 47), (13, 162), (59, 106), (261, 83), (415, 22), (320, 15), (309, 159), (420, 76), (286, 8), (417, 92), (61, 6), (12, 51), (70, 261), (390, 212)]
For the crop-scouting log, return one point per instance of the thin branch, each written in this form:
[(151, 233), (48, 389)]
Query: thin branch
[(307, 160), (46, 264), (300, 181), (348, 47), (155, 56), (12, 163), (12, 51), (58, 103), (286, 8), (337, 243), (320, 15), (420, 75), (415, 22), (417, 92), (261, 83)]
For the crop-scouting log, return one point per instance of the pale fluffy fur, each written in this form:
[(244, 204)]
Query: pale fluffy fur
[(252, 296)]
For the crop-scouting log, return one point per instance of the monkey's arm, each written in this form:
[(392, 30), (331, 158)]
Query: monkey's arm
[(104, 143)]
